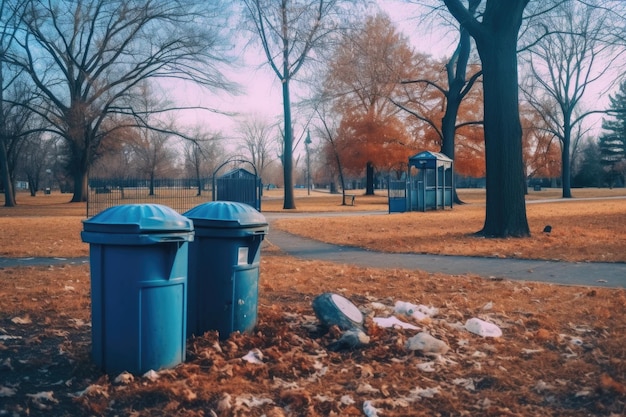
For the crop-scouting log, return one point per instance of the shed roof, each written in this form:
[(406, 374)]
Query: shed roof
[(428, 155), (238, 173)]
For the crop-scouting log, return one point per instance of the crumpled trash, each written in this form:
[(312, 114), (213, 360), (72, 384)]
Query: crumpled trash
[(254, 356), (369, 410), (426, 343), (334, 309), (124, 378), (418, 312), (350, 339), (151, 375), (393, 322), (482, 328)]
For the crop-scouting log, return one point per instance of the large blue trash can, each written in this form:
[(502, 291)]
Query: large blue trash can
[(224, 260), (138, 260)]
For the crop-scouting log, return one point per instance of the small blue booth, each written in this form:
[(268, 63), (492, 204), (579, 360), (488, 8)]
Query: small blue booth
[(138, 259), (427, 185)]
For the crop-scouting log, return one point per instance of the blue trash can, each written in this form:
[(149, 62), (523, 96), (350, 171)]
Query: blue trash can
[(224, 259), (138, 260)]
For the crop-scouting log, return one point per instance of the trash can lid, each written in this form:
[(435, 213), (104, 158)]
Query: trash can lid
[(138, 218), (226, 214)]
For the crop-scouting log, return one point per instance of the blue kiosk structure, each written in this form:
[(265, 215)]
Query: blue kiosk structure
[(427, 185)]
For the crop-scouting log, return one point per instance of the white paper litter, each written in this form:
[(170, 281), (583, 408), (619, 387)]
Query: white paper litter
[(418, 312), (369, 409), (482, 328), (254, 356), (393, 323)]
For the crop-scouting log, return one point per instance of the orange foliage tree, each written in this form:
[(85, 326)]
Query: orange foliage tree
[(364, 73), (371, 141), (540, 147), (426, 100)]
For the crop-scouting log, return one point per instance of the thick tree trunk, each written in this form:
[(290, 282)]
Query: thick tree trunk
[(81, 187), (7, 181), (566, 165), (506, 208), (369, 179), (289, 202)]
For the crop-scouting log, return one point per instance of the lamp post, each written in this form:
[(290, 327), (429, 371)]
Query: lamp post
[(307, 142)]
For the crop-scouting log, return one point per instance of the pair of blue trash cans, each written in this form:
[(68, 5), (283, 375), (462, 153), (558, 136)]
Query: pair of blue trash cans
[(158, 277)]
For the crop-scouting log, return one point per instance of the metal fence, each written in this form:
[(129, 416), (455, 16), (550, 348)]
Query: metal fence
[(179, 194)]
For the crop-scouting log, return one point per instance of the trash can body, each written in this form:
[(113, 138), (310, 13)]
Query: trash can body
[(138, 287), (223, 275)]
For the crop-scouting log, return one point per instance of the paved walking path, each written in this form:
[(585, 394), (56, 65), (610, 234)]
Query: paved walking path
[(565, 273)]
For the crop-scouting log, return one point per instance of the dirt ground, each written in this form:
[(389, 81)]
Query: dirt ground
[(561, 353)]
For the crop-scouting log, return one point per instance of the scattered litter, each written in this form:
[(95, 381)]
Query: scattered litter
[(426, 343), (151, 375), (393, 322), (254, 356), (21, 320), (43, 396), (418, 312), (426, 366), (251, 401), (69, 288), (531, 351), (467, 383), (365, 388), (9, 337), (378, 306), (576, 341), (482, 328), (93, 389), (334, 309), (418, 392), (488, 306), (124, 378), (346, 400), (369, 409), (351, 339)]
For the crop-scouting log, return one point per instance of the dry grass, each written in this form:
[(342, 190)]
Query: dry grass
[(561, 354), (582, 230)]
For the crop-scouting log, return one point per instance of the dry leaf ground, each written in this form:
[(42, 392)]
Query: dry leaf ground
[(562, 352)]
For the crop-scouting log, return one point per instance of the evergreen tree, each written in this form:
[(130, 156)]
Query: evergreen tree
[(613, 141)]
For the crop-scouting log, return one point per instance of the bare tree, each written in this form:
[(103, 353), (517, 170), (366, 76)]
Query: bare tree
[(289, 32), (495, 32), (9, 17), (203, 156), (36, 160), (574, 50), (86, 57), (256, 137)]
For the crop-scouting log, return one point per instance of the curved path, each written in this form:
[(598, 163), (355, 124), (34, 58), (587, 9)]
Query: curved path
[(597, 274), (564, 273)]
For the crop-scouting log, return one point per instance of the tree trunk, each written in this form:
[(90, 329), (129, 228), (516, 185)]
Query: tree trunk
[(506, 207), (566, 166), (289, 202), (81, 187), (448, 129), (7, 182), (369, 179)]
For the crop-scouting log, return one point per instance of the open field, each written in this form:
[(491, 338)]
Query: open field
[(562, 352)]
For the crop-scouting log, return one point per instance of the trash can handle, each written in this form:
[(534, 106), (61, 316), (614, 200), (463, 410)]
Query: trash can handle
[(256, 232), (168, 238)]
